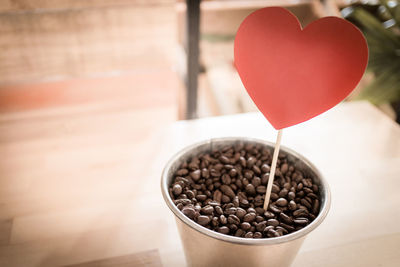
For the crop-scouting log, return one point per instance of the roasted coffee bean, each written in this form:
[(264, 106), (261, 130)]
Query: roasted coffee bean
[(306, 203), (249, 217), (215, 222), (223, 230), (203, 220), (208, 210), (272, 233), (274, 196), (250, 190), (179, 206), (240, 213), (239, 232), (292, 205), (259, 211), (225, 199), (259, 218), (291, 195), (284, 168), (315, 208), (233, 172), (217, 196), (256, 181), (235, 201), (283, 192), (181, 172), (257, 235), (300, 212), (226, 179), (249, 235), (261, 189), (218, 210), (261, 226), (273, 222), (281, 202), (195, 175), (269, 215), (274, 208), (301, 221), (201, 197), (233, 219), (223, 219), (227, 190), (265, 168), (275, 188), (189, 212), (230, 211), (177, 189), (245, 226), (287, 227), (281, 230), (285, 218)]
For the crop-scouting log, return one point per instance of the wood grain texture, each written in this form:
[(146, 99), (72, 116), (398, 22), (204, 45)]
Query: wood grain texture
[(55, 44), (148, 258)]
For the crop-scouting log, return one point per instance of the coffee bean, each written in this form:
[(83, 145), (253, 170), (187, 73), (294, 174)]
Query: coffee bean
[(208, 210), (223, 219), (287, 227), (181, 172), (259, 218), (250, 162), (283, 192), (257, 235), (291, 195), (256, 181), (272, 233), (301, 221), (217, 196), (248, 235), (292, 205), (177, 189), (226, 179), (269, 215), (300, 212), (240, 213), (273, 222), (265, 168), (230, 211), (315, 208), (249, 217), (284, 168), (250, 190), (189, 212), (225, 199), (281, 230), (233, 219), (227, 190), (201, 197), (223, 230), (203, 220), (245, 226), (218, 210), (261, 226), (195, 175), (274, 196), (281, 202), (239, 232), (305, 203), (274, 208), (179, 206), (285, 218), (275, 188), (261, 189)]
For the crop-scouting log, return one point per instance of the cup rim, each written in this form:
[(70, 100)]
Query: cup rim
[(325, 203)]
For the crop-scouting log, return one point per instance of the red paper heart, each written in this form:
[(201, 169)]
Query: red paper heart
[(291, 74)]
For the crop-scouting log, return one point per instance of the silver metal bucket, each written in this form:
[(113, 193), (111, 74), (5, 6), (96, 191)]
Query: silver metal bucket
[(204, 247)]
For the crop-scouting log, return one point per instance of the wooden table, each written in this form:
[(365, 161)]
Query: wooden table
[(85, 191)]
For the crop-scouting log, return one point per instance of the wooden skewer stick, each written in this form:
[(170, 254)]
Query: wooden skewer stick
[(273, 168)]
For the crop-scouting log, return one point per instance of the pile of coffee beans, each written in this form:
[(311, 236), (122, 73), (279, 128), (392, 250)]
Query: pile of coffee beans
[(223, 190)]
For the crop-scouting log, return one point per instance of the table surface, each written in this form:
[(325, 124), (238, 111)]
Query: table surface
[(82, 191)]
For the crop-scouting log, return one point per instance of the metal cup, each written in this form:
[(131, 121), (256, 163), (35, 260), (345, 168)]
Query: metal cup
[(204, 247)]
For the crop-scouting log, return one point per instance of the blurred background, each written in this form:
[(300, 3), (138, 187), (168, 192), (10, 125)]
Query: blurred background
[(87, 86)]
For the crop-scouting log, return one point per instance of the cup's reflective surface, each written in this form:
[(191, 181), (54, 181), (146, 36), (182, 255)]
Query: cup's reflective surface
[(203, 247)]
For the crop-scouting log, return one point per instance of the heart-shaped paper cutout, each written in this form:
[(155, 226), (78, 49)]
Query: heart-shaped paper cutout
[(295, 74)]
